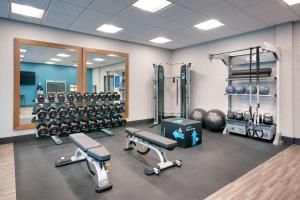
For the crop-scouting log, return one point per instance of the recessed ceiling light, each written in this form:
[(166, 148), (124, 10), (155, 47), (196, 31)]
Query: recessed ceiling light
[(63, 55), (26, 10), (89, 63), (99, 59), (71, 49), (23, 50), (209, 24), (151, 5), (22, 56), (55, 59), (291, 2), (160, 40), (112, 55), (75, 65), (50, 63), (108, 28)]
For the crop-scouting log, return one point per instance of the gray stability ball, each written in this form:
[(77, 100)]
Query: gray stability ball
[(197, 114), (214, 120)]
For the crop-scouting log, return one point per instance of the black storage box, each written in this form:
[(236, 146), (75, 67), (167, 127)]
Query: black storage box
[(185, 131)]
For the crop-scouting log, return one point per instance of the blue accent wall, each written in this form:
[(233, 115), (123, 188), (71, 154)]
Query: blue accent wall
[(89, 80), (45, 72)]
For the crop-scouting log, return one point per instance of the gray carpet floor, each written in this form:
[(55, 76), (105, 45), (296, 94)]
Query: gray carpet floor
[(206, 168)]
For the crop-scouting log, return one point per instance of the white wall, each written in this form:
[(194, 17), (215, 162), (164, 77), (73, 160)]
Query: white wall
[(296, 79), (141, 59), (208, 78)]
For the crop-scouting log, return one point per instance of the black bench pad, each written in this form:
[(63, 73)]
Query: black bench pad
[(99, 153), (131, 131), (83, 141), (156, 139)]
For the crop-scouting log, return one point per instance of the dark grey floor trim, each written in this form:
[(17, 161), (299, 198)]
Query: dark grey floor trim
[(139, 122), (289, 140), (20, 138)]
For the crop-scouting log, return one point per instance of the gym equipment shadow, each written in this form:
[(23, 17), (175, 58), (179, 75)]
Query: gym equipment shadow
[(205, 169)]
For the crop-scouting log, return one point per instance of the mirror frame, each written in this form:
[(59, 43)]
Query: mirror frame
[(99, 51), (17, 44)]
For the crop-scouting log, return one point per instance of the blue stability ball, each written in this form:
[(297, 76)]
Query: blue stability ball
[(230, 89), (253, 89), (240, 89), (264, 90)]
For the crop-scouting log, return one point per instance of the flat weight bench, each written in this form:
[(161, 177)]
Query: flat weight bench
[(154, 142), (92, 152)]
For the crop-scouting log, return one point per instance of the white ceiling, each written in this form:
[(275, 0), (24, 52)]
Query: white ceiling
[(175, 22), (40, 54)]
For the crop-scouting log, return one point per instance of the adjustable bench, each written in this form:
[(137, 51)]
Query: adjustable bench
[(92, 152), (154, 142)]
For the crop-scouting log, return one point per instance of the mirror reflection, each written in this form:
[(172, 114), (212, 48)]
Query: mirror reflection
[(106, 73), (44, 70)]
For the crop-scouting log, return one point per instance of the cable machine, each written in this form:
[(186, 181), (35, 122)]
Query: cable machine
[(252, 58), (159, 91)]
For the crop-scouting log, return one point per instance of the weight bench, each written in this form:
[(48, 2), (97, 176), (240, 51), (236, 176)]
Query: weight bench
[(92, 152), (154, 142)]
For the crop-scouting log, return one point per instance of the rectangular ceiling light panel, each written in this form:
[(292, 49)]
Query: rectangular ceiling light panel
[(26, 10), (291, 2), (209, 24), (108, 28), (160, 40), (63, 55), (151, 5)]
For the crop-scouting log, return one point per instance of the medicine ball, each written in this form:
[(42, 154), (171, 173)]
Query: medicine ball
[(240, 89), (247, 116), (239, 115), (253, 89), (61, 98), (214, 120), (198, 114), (263, 90), (268, 119), (230, 89), (231, 115), (79, 96)]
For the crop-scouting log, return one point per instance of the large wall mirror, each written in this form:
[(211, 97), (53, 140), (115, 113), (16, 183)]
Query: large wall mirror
[(106, 71), (43, 68)]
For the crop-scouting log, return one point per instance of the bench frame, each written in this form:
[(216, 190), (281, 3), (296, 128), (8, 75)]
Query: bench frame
[(103, 183), (164, 162)]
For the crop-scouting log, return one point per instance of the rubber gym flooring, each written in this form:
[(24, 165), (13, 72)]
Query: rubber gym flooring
[(206, 168)]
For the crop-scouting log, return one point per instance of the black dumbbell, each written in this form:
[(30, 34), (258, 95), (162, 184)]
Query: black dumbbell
[(107, 123), (40, 98), (87, 97), (74, 126), (111, 108), (115, 122), (95, 96), (92, 125), (105, 109), (102, 96), (122, 121), (100, 123), (72, 111), (53, 128), (61, 98), (116, 96), (119, 108), (62, 112), (81, 110), (70, 97), (78, 96), (41, 113), (64, 128), (52, 112), (51, 98), (42, 130), (109, 96), (83, 126), (90, 111), (98, 110)]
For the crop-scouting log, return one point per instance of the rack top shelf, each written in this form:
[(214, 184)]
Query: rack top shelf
[(269, 95), (247, 79)]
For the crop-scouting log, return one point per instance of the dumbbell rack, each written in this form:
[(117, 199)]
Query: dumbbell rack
[(265, 55), (85, 101)]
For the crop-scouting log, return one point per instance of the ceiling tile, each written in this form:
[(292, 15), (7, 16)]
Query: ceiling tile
[(271, 12), (128, 2), (244, 3), (218, 9), (42, 4), (4, 8), (107, 6), (143, 16), (57, 20), (85, 26), (130, 25), (25, 18), (296, 9), (65, 8), (94, 15), (174, 12), (83, 3), (192, 19), (197, 5)]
